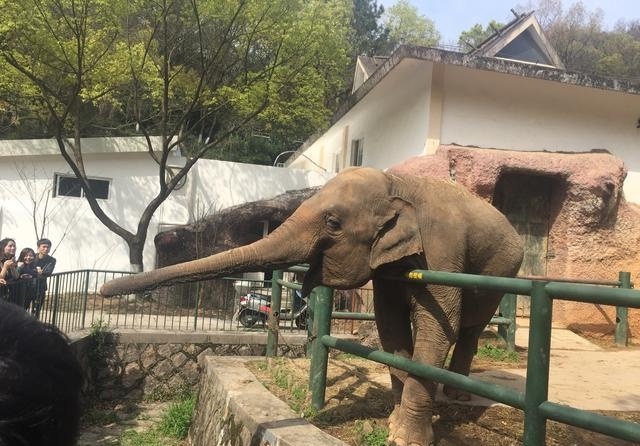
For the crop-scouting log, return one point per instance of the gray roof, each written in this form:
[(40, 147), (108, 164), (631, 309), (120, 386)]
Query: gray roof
[(489, 64), (371, 64), (494, 64), (521, 39)]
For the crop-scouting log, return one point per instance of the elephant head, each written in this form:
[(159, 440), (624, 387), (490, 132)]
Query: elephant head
[(354, 224)]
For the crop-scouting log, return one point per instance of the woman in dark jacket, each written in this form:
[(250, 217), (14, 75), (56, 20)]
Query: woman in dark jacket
[(27, 272), (8, 271)]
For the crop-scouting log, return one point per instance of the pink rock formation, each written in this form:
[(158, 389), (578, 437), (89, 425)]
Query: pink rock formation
[(593, 232)]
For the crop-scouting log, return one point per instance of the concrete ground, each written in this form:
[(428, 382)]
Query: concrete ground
[(582, 374)]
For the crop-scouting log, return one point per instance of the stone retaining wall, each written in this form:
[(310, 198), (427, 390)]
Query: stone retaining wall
[(131, 365), (235, 409)]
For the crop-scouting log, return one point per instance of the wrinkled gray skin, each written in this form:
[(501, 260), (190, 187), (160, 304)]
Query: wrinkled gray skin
[(365, 224)]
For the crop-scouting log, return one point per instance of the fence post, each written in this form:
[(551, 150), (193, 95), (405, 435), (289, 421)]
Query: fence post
[(197, 306), (273, 324), (311, 309), (508, 310), (320, 355), (54, 307), (85, 292), (622, 313), (537, 384)]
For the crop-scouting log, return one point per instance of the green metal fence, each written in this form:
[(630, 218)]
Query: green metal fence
[(72, 302), (534, 401)]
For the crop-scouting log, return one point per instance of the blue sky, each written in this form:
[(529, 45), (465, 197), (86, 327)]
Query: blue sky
[(454, 16)]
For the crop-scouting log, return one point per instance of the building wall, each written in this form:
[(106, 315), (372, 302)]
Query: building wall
[(495, 110), (483, 109), (81, 241), (392, 121)]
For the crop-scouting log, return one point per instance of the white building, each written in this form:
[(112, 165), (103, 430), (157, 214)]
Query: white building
[(126, 176), (511, 93)]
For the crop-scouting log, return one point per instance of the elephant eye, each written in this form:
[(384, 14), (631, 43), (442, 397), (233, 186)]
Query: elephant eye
[(333, 223)]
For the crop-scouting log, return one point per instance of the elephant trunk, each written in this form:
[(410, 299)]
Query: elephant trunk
[(278, 250)]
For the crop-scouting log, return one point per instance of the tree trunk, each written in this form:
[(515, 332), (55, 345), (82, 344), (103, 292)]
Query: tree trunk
[(135, 257)]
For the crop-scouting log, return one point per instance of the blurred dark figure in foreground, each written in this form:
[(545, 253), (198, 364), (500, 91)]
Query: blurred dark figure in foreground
[(40, 382)]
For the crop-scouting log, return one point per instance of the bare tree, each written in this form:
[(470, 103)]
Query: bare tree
[(38, 189), (192, 72)]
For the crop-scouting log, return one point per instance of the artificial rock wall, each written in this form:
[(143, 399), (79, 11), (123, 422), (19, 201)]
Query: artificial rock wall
[(593, 232)]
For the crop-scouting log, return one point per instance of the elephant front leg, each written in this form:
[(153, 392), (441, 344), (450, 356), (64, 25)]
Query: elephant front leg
[(393, 321), (435, 316)]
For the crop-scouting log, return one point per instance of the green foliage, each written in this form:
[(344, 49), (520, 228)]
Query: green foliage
[(474, 36), (368, 35), (495, 353), (99, 334), (177, 420), (371, 434), (581, 42), (193, 73), (407, 26)]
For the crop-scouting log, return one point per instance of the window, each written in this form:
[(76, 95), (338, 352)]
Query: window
[(357, 147), (70, 186)]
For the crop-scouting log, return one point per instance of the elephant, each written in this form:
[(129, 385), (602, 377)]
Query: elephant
[(366, 224)]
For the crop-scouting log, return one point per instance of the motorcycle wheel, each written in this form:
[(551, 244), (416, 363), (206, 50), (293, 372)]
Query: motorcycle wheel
[(248, 318), (301, 320)]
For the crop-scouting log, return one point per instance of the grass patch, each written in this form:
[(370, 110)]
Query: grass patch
[(177, 420), (492, 352), (169, 429), (161, 394), (148, 438), (369, 433), (99, 417), (285, 382)]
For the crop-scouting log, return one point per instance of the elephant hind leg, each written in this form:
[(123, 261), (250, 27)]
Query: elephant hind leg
[(463, 353), (473, 323)]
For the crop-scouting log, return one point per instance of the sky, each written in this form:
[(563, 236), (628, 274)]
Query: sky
[(454, 16)]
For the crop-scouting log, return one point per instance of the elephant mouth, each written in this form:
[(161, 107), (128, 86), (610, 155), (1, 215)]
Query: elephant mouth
[(312, 278), (319, 275)]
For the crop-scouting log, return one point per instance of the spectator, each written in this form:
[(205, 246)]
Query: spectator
[(8, 270), (40, 382), (27, 273), (44, 267)]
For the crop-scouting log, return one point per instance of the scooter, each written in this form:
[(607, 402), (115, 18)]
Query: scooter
[(255, 307)]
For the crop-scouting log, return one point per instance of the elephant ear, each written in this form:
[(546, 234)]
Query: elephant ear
[(399, 235)]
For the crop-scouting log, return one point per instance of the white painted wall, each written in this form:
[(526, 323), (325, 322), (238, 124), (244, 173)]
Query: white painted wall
[(485, 109), (212, 184), (392, 120), (496, 110)]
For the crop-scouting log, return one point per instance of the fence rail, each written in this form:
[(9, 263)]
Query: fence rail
[(72, 302), (534, 401)]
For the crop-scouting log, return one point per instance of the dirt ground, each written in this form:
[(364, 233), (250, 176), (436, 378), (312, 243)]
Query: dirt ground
[(359, 400)]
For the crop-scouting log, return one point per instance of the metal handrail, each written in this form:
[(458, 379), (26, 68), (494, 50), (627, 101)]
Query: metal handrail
[(535, 399)]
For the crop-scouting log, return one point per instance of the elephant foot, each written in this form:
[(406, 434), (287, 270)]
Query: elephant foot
[(405, 432), (456, 394)]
